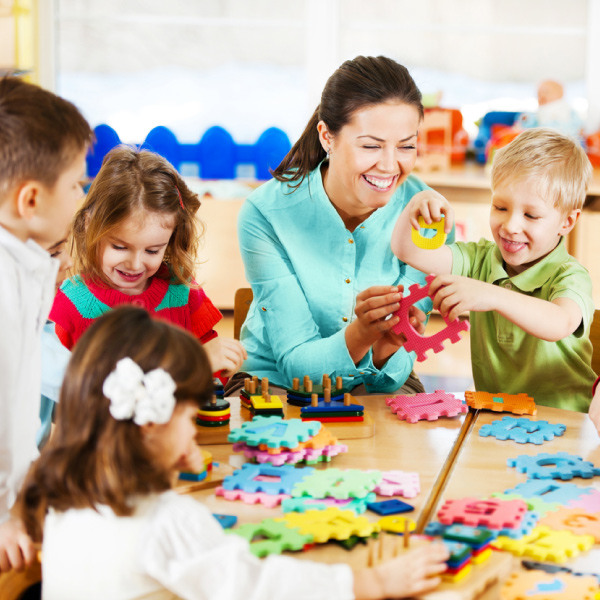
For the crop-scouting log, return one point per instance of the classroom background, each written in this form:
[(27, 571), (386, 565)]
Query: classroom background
[(240, 68)]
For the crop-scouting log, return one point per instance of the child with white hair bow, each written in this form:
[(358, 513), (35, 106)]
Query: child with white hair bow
[(99, 496)]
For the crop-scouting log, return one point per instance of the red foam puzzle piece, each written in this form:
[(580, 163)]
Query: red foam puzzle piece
[(415, 342), (475, 512)]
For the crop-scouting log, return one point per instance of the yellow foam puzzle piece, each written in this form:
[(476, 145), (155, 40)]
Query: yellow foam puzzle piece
[(429, 243)]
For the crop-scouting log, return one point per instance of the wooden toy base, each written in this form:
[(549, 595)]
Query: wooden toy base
[(239, 414), (214, 478)]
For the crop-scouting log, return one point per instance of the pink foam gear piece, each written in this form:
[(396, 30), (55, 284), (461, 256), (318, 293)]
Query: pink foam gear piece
[(415, 342), (426, 406), (493, 513), (268, 500), (398, 483), (289, 457)]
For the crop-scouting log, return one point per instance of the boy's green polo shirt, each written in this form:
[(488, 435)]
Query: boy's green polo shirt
[(504, 357)]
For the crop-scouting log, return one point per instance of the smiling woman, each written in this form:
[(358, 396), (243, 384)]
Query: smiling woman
[(316, 239)]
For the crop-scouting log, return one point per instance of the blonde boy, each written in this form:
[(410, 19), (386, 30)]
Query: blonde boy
[(531, 303), (43, 143)]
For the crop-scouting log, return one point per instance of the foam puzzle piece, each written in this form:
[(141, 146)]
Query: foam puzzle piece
[(260, 404), (522, 430), (534, 504), (519, 404), (226, 521), (274, 431), (399, 483), (322, 438), (553, 493), (575, 520), (560, 465), (544, 543), (268, 500), (274, 537), (429, 243), (493, 513), (423, 406), (458, 552), (396, 524), (266, 478), (390, 507), (536, 585), (589, 501), (358, 505), (534, 565), (415, 342), (331, 523), (289, 457), (337, 483)]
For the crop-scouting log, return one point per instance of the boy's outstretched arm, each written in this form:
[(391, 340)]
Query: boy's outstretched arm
[(431, 206), (548, 320)]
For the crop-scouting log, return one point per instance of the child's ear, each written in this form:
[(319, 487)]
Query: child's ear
[(28, 199), (569, 221)]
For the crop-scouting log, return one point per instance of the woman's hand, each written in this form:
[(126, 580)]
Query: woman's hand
[(390, 342), (225, 354), (373, 309)]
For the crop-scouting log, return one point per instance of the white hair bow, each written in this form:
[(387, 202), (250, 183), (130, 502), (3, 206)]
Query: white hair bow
[(147, 397)]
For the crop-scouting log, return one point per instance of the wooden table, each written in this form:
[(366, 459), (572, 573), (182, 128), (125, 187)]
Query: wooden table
[(453, 461)]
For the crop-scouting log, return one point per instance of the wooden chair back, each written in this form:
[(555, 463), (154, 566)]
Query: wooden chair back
[(595, 338), (241, 304), (22, 585)]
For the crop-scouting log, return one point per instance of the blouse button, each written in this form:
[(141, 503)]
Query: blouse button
[(345, 319), (351, 241), (508, 286), (347, 280), (263, 309)]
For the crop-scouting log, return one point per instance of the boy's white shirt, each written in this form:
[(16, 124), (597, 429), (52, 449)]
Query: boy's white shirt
[(27, 278)]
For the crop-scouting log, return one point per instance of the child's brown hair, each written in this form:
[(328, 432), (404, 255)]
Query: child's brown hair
[(131, 180), (92, 458), (40, 134)]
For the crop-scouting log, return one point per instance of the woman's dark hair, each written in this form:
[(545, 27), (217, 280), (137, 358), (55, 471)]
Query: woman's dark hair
[(92, 458), (363, 81)]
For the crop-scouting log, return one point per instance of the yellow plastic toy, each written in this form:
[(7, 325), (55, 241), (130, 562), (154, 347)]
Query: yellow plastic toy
[(429, 243)]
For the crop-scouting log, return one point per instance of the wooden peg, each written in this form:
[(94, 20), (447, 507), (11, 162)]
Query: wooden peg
[(253, 387), (339, 383), (370, 552), (264, 386), (296, 384), (406, 533), (381, 545), (213, 401), (327, 395), (347, 398), (308, 387), (247, 384), (305, 383), (396, 550), (314, 400)]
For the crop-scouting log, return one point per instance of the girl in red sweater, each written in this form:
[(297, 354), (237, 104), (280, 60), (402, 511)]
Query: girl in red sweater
[(136, 239)]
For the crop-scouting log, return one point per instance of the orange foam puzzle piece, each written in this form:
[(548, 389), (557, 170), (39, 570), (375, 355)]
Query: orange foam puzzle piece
[(518, 404)]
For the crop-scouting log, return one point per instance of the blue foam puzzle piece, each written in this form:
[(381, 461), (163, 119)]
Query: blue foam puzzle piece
[(331, 407), (560, 465), (390, 507), (287, 476), (522, 430), (187, 476), (274, 431), (226, 521), (550, 491)]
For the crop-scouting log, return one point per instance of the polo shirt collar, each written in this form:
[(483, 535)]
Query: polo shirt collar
[(534, 277)]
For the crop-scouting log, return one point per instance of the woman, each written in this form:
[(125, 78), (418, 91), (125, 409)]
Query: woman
[(315, 240)]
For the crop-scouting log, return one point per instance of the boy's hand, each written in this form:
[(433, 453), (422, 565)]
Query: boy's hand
[(431, 206), (453, 295), (225, 354), (192, 461), (16, 547)]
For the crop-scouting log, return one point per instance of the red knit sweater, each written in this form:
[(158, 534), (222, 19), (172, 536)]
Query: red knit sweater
[(80, 301)]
